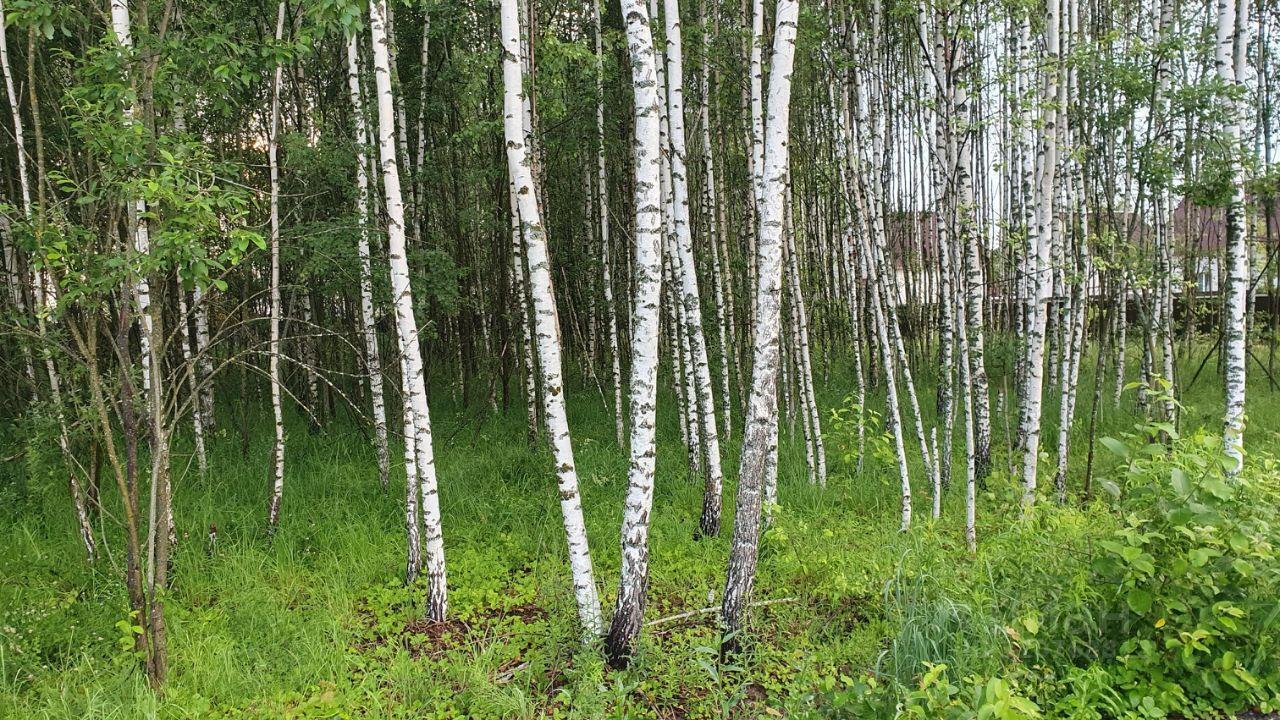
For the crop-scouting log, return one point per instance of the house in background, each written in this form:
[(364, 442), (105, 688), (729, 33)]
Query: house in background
[(1200, 238)]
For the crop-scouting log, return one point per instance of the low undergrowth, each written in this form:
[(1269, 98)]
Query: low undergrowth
[(1154, 599), (1157, 601)]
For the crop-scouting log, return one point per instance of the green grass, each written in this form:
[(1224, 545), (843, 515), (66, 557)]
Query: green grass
[(315, 622)]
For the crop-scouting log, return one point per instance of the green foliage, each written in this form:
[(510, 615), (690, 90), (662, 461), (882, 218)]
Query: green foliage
[(316, 623), (1193, 575)]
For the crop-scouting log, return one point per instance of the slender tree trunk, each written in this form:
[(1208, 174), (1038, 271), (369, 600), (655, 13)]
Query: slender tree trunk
[(519, 290), (606, 276), (277, 410), (419, 177), (44, 298), (628, 614), (368, 325), (714, 227), (519, 163), (406, 322), (188, 364), (1229, 62), (11, 262), (699, 368), (204, 358), (1038, 311), (804, 365), (762, 419)]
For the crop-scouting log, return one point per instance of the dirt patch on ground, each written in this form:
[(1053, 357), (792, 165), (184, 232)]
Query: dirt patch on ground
[(421, 636), (441, 635)]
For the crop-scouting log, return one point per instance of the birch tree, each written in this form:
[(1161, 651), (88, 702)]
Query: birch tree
[(699, 368), (520, 166), (628, 614), (406, 322), (372, 359), (606, 270), (1030, 393), (1229, 60), (762, 417), (277, 410), (43, 297)]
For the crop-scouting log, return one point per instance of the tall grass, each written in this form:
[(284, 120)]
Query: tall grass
[(262, 627)]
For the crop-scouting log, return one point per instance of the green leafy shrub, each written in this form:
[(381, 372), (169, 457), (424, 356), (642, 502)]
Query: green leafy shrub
[(1192, 576), (1159, 601)]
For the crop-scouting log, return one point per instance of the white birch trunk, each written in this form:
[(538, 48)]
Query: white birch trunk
[(151, 354), (1229, 63), (44, 297), (204, 360), (137, 210), (368, 326), (602, 180), (406, 323), (762, 420), (624, 629), (188, 364), (424, 61), (412, 513), (699, 368), (520, 166), (1038, 311), (963, 322), (804, 366), (277, 410), (711, 209), (518, 289)]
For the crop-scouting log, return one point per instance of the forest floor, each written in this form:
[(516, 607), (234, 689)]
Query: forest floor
[(315, 622)]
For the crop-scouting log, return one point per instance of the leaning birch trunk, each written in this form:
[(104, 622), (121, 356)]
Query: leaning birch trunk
[(870, 273), (602, 188), (894, 412), (277, 410), (1233, 332), (406, 323), (520, 166), (628, 614), (12, 274), (889, 306), (368, 327), (699, 368), (677, 327), (844, 157), (44, 301), (1071, 372), (43, 298), (762, 419)]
